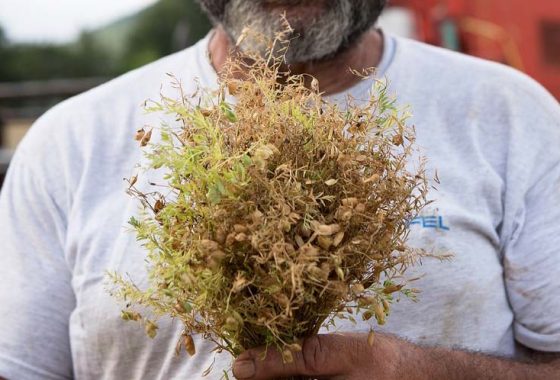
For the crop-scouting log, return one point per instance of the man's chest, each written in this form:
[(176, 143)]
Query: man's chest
[(462, 300)]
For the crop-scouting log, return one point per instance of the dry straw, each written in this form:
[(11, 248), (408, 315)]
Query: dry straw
[(283, 212)]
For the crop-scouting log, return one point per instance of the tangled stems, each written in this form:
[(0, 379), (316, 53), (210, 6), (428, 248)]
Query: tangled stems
[(282, 212)]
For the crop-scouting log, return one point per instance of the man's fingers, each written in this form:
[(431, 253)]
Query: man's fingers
[(322, 355)]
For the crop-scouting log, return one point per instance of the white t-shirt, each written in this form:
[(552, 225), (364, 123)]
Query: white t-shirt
[(492, 134)]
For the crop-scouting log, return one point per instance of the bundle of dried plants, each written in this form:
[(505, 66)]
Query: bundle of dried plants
[(281, 212)]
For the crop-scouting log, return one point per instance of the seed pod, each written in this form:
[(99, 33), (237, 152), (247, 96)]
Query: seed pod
[(379, 313), (340, 273), (240, 228), (287, 356), (325, 242), (130, 315), (331, 182), (386, 305), (239, 284), (373, 178), (294, 216), (315, 85), (189, 345), (158, 206), (344, 214), (220, 235), (351, 202), (257, 216), (132, 181), (140, 134), (367, 315), (371, 337), (233, 87), (338, 238), (218, 255), (390, 289), (146, 138), (327, 230), (179, 308), (282, 300), (357, 289), (209, 245), (360, 207), (295, 347), (151, 329), (231, 324), (230, 239)]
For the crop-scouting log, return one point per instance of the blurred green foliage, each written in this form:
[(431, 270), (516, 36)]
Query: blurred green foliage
[(166, 27)]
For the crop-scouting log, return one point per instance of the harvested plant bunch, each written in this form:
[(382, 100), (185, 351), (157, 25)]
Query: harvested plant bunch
[(283, 211)]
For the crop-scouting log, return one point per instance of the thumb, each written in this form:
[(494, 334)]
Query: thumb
[(321, 355)]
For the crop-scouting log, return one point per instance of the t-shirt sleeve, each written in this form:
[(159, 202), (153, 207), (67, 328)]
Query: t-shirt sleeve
[(532, 267), (532, 254), (36, 297)]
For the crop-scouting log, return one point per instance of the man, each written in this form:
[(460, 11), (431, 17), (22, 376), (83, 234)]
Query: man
[(492, 134)]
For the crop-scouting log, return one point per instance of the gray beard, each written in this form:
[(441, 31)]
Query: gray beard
[(319, 38), (338, 26)]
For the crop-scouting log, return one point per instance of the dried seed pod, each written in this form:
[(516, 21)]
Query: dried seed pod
[(158, 206), (189, 345), (233, 87), (146, 138), (371, 338), (389, 289), (287, 356), (357, 289), (379, 313), (240, 228), (295, 347), (325, 242), (367, 315), (338, 238), (130, 315), (241, 237), (350, 202), (239, 284), (132, 181), (326, 230), (209, 245), (140, 134), (150, 328), (299, 241), (373, 178), (179, 308)]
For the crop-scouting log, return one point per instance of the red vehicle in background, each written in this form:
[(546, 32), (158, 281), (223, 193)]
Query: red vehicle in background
[(523, 34)]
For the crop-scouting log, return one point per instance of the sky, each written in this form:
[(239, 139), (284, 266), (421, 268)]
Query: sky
[(60, 20)]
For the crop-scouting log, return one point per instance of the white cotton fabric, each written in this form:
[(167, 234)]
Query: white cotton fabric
[(492, 133)]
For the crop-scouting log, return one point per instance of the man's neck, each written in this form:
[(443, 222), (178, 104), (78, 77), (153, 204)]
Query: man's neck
[(334, 74)]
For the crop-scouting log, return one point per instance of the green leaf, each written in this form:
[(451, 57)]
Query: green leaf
[(214, 195), (228, 112)]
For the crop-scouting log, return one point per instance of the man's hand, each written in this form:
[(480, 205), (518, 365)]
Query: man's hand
[(350, 357), (335, 357)]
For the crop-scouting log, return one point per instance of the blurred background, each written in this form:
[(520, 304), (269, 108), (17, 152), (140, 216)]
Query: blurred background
[(54, 49)]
